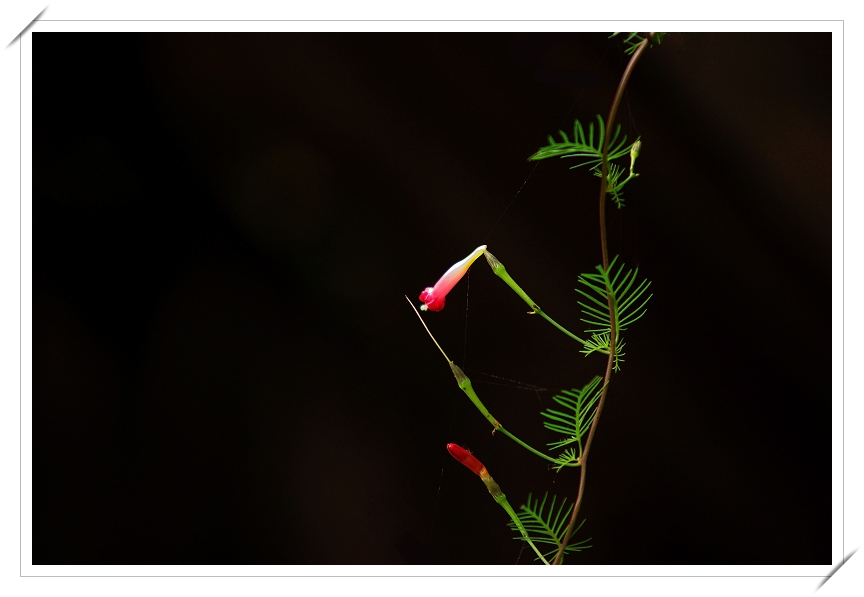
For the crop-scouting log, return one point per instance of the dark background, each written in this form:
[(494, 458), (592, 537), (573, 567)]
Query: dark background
[(225, 367)]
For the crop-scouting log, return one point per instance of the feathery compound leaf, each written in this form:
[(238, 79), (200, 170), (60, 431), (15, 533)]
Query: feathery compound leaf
[(567, 458), (547, 525), (600, 343), (591, 154), (613, 177), (628, 305), (573, 423)]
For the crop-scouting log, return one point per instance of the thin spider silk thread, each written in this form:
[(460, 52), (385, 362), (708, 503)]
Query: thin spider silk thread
[(560, 125)]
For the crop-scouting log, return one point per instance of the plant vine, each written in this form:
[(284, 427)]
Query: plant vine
[(611, 299)]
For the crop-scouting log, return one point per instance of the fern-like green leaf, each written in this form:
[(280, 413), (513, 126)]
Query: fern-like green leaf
[(568, 457), (547, 525), (628, 304), (600, 343), (574, 422), (584, 148), (613, 177)]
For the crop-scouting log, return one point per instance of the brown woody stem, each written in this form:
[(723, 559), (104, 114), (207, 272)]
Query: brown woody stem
[(610, 121)]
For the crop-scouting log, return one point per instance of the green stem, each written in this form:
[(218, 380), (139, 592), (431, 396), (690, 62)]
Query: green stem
[(530, 449), (465, 386), (502, 501), (626, 180), (501, 272)]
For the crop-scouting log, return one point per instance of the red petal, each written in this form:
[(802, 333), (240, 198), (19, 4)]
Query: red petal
[(433, 303)]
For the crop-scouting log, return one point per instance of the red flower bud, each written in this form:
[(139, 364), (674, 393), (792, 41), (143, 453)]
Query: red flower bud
[(467, 458)]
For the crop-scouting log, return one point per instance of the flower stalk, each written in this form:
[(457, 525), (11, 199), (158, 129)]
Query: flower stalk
[(476, 467), (500, 271), (465, 385)]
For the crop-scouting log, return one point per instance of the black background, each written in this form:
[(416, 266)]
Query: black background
[(226, 370)]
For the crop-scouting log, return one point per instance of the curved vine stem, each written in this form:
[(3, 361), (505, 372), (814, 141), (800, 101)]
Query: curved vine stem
[(610, 121)]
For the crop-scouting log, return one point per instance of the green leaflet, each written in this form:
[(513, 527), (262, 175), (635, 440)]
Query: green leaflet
[(547, 526), (583, 147), (574, 422), (591, 154), (625, 295)]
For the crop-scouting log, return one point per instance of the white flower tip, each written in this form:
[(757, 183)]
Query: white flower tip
[(475, 254), (423, 307)]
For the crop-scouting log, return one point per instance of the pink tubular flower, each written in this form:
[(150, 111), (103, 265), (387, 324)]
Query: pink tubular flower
[(468, 459), (434, 296)]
